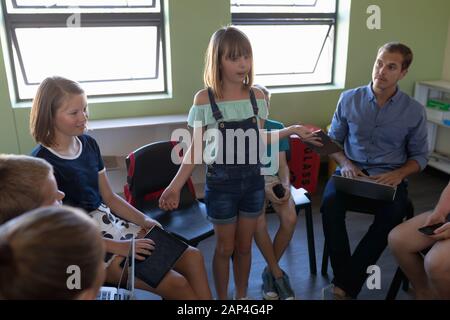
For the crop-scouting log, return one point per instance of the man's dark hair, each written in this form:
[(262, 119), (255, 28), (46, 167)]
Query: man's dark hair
[(404, 50)]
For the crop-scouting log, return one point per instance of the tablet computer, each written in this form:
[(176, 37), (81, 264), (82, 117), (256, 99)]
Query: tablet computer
[(364, 187), (329, 146), (168, 249)]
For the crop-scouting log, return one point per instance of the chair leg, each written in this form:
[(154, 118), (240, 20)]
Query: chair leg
[(405, 284), (310, 236), (399, 277), (325, 260)]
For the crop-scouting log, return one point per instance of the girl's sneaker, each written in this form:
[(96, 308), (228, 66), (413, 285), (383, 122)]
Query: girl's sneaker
[(284, 288), (269, 291)]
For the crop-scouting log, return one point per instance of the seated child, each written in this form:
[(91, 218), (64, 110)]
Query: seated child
[(42, 250), (430, 273), (26, 183), (276, 284), (58, 123)]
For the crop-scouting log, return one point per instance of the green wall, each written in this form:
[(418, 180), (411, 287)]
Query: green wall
[(421, 24)]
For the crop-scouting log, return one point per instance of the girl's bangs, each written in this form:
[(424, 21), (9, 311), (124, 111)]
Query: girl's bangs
[(234, 47)]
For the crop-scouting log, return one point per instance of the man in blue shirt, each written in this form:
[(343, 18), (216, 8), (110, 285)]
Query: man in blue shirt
[(384, 135)]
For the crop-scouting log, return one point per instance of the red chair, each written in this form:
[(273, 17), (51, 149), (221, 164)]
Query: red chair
[(304, 165)]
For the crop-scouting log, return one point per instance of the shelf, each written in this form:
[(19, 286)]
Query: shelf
[(439, 123), (437, 85), (440, 162), (424, 90)]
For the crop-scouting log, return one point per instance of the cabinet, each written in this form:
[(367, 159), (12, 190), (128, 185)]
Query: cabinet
[(438, 120)]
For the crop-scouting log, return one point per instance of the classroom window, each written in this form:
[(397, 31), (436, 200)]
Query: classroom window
[(112, 47), (292, 40)]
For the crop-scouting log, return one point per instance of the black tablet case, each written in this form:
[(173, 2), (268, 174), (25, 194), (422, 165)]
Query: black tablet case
[(168, 249)]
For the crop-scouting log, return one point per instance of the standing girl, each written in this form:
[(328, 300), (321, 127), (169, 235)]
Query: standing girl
[(58, 122), (234, 192)]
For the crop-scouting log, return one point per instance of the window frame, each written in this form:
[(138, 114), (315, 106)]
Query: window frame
[(16, 6), (291, 18), (90, 18)]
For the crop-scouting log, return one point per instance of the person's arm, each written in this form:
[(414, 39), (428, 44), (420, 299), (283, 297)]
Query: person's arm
[(395, 177), (348, 169), (441, 210), (417, 152), (306, 135), (284, 175), (143, 247), (120, 207), (339, 131), (439, 215), (170, 198), (283, 171)]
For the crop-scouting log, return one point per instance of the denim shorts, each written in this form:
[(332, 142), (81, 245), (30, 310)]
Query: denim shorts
[(233, 191)]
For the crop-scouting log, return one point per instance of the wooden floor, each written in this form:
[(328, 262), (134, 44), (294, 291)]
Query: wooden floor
[(424, 190)]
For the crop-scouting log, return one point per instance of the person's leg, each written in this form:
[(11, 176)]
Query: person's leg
[(333, 211), (369, 249), (288, 221), (437, 267), (225, 242), (265, 246), (264, 243), (242, 258), (192, 266), (406, 243), (173, 286)]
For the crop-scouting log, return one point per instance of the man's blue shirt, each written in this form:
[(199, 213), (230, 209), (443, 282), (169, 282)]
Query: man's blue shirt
[(380, 139)]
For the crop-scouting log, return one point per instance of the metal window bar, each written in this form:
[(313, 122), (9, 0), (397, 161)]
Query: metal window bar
[(237, 4), (17, 6), (283, 18)]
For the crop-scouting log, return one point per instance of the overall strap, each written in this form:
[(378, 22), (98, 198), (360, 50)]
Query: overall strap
[(214, 108), (254, 103)]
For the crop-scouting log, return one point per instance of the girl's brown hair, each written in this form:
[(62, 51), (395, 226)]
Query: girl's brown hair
[(49, 97), (229, 42), (37, 250)]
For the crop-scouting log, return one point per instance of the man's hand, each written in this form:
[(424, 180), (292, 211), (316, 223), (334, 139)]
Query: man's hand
[(393, 178), (349, 170)]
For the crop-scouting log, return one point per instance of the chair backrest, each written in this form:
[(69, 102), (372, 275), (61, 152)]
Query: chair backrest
[(150, 170)]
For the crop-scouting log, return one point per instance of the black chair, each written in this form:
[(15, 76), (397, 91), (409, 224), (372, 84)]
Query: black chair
[(399, 277), (150, 170)]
